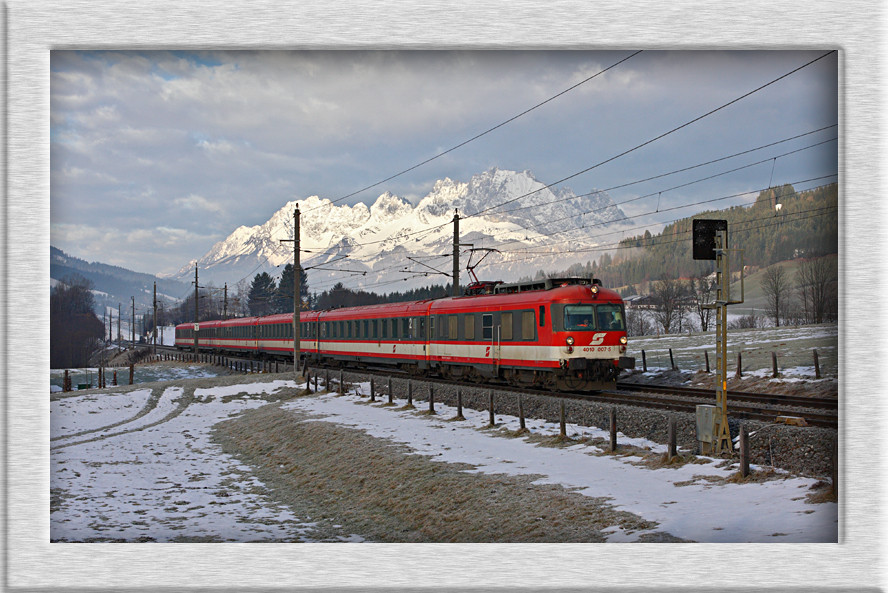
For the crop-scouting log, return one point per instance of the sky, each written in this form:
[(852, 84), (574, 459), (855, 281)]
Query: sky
[(157, 155)]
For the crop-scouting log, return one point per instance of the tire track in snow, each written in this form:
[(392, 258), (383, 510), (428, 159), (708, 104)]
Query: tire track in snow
[(150, 403), (171, 403)]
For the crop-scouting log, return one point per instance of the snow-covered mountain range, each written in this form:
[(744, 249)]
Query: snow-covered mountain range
[(371, 246)]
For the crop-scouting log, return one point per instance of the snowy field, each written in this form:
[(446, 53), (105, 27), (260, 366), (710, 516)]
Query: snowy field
[(139, 466), (794, 347), (142, 373)]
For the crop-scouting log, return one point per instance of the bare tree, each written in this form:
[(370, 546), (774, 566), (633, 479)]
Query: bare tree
[(703, 293), (777, 288), (816, 284), (637, 323), (667, 293)]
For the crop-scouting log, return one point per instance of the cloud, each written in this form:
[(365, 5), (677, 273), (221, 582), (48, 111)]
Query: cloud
[(198, 203)]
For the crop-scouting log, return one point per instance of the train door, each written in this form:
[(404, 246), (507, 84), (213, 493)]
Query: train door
[(429, 336)]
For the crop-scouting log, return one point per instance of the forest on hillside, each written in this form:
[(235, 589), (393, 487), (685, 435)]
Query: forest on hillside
[(805, 225)]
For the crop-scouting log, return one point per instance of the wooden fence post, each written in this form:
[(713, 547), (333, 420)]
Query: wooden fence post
[(563, 424), (613, 429), (410, 393), (521, 413), (391, 395), (744, 451), (431, 400), (672, 360), (816, 365), (341, 383), (372, 390), (672, 449), (739, 365), (490, 407), (706, 354), (644, 361), (835, 469), (459, 414), (774, 363)]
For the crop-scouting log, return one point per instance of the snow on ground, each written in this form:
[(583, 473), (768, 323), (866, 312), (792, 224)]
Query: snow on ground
[(159, 476), (682, 500)]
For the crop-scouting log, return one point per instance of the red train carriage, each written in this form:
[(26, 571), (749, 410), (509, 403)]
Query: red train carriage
[(566, 333)]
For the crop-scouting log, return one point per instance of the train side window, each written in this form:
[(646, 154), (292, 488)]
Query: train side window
[(527, 319), (405, 328), (373, 332), (385, 325), (487, 326), (542, 316), (421, 322), (506, 332), (454, 327), (432, 327), (470, 326)]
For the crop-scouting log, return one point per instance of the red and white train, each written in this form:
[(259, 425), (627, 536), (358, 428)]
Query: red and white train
[(561, 333)]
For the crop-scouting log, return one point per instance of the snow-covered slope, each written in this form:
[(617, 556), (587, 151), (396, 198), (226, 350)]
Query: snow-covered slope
[(378, 240)]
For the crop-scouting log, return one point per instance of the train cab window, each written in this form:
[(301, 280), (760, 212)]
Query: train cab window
[(610, 317), (579, 318), (487, 326), (470, 326)]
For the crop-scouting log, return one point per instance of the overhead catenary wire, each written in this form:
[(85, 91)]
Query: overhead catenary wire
[(485, 132), (652, 140)]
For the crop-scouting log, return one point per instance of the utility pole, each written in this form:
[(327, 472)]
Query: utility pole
[(297, 302), (225, 302), (196, 326), (133, 328), (119, 335), (455, 285), (155, 318)]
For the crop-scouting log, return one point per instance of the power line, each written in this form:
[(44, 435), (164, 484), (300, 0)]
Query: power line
[(652, 140), (484, 133)]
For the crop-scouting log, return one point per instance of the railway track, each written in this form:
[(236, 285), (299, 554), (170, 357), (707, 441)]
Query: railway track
[(765, 407)]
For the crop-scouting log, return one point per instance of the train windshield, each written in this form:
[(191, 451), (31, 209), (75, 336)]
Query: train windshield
[(594, 317)]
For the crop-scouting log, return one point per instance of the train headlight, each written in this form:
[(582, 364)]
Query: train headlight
[(570, 340), (594, 289), (624, 340)]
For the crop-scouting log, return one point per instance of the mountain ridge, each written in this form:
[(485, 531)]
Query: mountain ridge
[(377, 239)]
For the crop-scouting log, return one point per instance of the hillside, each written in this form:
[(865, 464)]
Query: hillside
[(805, 225), (113, 285)]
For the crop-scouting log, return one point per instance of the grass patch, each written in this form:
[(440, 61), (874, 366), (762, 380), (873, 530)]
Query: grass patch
[(386, 493)]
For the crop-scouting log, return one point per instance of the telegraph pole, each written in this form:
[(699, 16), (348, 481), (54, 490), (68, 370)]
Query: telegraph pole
[(196, 326), (455, 285), (119, 335), (225, 302), (155, 318), (297, 301), (133, 328)]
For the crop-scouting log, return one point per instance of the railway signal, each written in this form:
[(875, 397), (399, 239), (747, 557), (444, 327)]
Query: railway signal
[(710, 239)]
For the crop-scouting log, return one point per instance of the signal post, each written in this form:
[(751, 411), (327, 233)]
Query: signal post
[(710, 239)]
